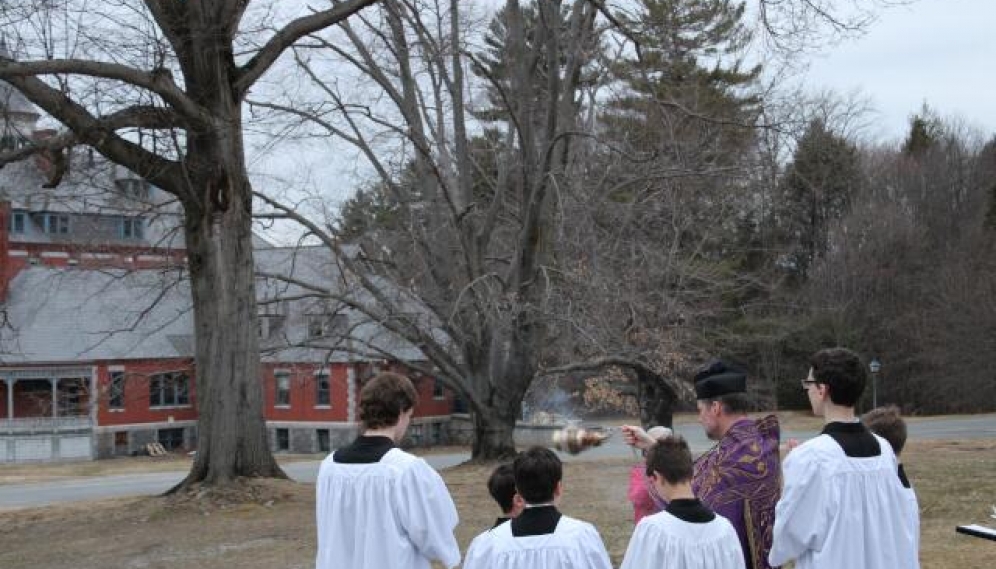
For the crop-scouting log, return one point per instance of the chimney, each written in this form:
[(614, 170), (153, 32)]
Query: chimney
[(6, 273)]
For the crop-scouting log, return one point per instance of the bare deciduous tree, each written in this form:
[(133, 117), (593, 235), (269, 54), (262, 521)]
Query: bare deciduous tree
[(182, 70)]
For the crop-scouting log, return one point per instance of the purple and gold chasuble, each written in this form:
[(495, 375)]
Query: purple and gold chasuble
[(740, 479)]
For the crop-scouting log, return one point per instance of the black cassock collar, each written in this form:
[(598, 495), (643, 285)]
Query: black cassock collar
[(364, 450), (856, 440), (690, 510), (536, 520)]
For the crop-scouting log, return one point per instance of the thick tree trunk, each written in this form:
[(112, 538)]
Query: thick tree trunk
[(232, 438), (494, 429), (657, 400), (501, 390)]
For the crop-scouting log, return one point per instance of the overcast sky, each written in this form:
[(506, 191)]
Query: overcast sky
[(939, 51), (942, 52)]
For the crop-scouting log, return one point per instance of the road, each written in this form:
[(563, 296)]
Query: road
[(79, 489)]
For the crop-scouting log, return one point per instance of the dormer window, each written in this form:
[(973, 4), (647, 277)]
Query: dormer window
[(55, 223), (12, 141), (132, 228), (323, 325), (17, 221), (133, 187)]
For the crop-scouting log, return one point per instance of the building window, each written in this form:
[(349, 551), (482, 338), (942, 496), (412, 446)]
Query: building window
[(171, 439), (324, 393), (324, 444), (282, 383), (283, 439), (270, 325), (316, 326), (116, 398), (11, 141), (322, 325), (17, 222), (415, 434), (338, 324), (272, 314), (134, 187), (120, 442), (437, 389), (169, 390), (55, 223), (131, 228)]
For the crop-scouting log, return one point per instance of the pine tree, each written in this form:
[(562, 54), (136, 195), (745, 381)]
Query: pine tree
[(817, 189), (925, 130), (491, 63), (687, 91)]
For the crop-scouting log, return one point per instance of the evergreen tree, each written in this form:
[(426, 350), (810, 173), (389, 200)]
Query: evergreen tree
[(687, 91), (925, 130), (491, 63), (817, 190)]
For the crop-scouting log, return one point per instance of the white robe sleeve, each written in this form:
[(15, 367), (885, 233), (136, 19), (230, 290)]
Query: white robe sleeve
[(804, 510), (638, 555), (476, 557), (427, 513), (594, 550)]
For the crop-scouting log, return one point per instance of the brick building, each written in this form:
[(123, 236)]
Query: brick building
[(96, 323)]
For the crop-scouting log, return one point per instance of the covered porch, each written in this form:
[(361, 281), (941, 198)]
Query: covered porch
[(46, 414), (31, 395)]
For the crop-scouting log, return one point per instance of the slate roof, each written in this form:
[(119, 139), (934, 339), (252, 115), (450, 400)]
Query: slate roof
[(65, 315), (59, 315)]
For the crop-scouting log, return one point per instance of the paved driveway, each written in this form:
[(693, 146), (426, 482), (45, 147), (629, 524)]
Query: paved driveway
[(42, 494)]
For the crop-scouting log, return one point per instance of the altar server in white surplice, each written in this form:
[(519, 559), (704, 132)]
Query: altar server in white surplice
[(888, 423), (686, 534), (378, 506), (843, 504), (540, 537)]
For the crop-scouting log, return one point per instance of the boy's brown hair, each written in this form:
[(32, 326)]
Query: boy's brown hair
[(384, 398), (887, 423), (671, 458)]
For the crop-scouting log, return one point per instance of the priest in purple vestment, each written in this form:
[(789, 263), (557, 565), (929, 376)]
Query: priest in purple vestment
[(740, 477)]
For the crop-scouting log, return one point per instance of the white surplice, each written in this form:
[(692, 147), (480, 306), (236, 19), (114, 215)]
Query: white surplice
[(914, 520), (840, 512), (573, 545), (663, 540), (395, 513)]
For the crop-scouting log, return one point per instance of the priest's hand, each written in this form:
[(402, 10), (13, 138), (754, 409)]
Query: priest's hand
[(636, 437)]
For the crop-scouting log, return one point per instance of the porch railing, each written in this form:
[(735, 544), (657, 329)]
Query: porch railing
[(45, 424)]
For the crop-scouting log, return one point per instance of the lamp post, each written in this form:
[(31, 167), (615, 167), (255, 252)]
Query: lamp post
[(874, 366)]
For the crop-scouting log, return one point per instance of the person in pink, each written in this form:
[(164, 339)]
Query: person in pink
[(642, 493)]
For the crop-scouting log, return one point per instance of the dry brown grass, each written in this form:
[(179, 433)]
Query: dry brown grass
[(275, 527), (955, 483), (28, 473)]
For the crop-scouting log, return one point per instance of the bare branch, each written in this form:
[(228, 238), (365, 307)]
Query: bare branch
[(636, 365), (413, 334), (158, 81), (283, 39), (164, 173)]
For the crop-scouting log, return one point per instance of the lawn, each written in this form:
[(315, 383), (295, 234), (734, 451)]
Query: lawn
[(275, 527)]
